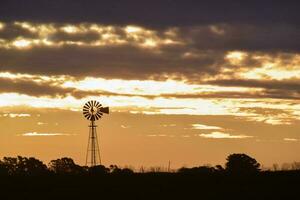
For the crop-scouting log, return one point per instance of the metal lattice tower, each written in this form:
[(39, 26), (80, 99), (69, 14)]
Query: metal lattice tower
[(93, 111)]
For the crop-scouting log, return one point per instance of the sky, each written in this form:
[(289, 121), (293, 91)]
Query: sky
[(188, 82)]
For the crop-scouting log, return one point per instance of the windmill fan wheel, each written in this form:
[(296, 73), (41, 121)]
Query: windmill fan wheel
[(93, 110)]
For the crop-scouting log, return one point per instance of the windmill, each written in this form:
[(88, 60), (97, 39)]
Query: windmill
[(93, 111)]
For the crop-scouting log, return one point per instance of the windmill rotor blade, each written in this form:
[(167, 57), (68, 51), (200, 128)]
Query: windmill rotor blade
[(90, 117), (98, 115), (86, 113), (104, 110), (97, 104), (90, 104), (86, 107), (99, 111), (93, 103)]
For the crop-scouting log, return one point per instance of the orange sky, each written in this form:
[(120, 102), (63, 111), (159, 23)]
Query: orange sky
[(170, 100)]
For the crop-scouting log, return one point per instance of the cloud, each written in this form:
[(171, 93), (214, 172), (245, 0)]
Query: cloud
[(290, 139), (41, 123), (221, 135), (158, 135), (32, 134), (14, 115), (111, 51), (272, 116), (125, 126), (205, 127)]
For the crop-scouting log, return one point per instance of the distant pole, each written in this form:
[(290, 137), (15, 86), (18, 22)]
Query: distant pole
[(169, 166)]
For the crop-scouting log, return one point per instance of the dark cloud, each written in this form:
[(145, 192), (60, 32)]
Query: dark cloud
[(207, 32), (226, 37), (284, 89), (153, 13), (245, 37), (30, 88), (125, 62), (44, 89), (253, 83), (79, 37), (11, 32)]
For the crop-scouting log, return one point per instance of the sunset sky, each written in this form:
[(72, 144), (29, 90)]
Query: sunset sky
[(186, 81)]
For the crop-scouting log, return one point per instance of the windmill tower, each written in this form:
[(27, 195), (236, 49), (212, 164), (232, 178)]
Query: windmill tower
[(93, 111)]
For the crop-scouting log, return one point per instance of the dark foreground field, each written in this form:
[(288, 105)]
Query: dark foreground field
[(265, 185)]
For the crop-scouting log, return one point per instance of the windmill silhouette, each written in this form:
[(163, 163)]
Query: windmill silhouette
[(93, 111)]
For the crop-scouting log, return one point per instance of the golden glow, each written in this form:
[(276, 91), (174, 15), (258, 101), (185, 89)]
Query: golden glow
[(268, 67), (291, 139), (134, 95), (52, 80), (147, 87), (14, 115), (71, 29), (42, 29), (22, 43), (236, 57), (221, 135), (133, 29), (206, 127), (31, 134), (108, 35), (2, 25), (271, 71), (27, 26)]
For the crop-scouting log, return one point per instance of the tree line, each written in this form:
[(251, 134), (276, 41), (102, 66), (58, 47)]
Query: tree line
[(240, 178), (240, 164)]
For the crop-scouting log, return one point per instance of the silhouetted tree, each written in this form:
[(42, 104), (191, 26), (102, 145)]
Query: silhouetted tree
[(127, 171), (3, 169), (98, 170), (219, 168), (241, 164), (23, 166), (197, 170), (65, 166), (114, 169)]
